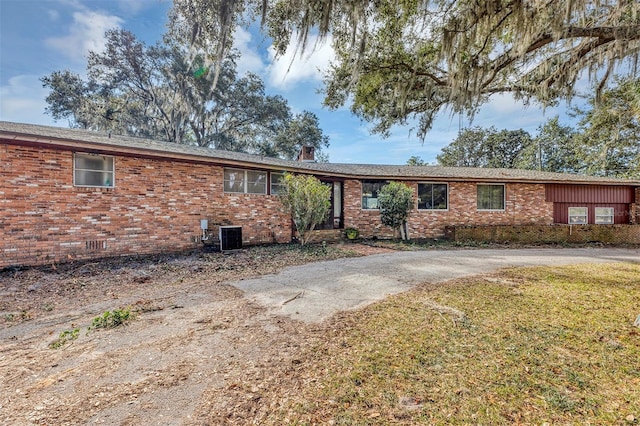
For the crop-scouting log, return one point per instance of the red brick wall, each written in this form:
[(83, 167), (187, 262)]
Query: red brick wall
[(525, 204), (155, 206)]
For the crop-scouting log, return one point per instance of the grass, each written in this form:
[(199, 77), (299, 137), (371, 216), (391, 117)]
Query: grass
[(526, 346)]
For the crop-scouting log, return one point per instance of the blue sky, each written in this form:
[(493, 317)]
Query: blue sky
[(38, 37)]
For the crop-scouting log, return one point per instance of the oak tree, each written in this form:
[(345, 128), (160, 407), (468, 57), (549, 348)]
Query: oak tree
[(168, 92), (397, 60)]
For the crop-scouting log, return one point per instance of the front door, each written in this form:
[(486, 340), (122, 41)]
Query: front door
[(334, 220)]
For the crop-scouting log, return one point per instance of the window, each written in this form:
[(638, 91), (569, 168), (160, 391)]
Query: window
[(577, 215), (245, 181), (370, 190), (433, 196), (604, 215), (491, 197), (276, 185), (93, 170), (256, 182)]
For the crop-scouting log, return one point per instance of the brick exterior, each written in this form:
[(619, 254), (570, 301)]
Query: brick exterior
[(525, 204), (155, 206)]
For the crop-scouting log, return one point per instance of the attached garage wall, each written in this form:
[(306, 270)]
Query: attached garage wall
[(563, 196), (585, 194), (620, 212)]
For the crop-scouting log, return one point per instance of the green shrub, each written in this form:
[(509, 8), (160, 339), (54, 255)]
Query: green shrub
[(112, 319), (307, 200), (65, 336)]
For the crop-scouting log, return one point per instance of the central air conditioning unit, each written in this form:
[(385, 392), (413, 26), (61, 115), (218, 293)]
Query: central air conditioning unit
[(230, 237)]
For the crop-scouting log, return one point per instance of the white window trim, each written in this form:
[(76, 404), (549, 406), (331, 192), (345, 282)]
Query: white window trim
[(611, 216), (586, 215), (418, 198), (504, 197), (245, 181), (89, 154)]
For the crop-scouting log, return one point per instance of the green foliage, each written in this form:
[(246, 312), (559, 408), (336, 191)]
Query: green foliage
[(302, 130), (606, 142), (395, 201), (478, 147), (609, 132), (170, 92), (65, 337), (351, 233), (554, 149), (399, 60), (307, 200), (415, 160), (112, 319)]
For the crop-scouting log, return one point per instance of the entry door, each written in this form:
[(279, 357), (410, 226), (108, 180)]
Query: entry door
[(334, 220)]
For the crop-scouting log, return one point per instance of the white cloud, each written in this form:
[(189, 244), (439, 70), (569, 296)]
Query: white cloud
[(22, 101), (292, 68), (54, 15), (250, 59), (86, 33), (133, 6)]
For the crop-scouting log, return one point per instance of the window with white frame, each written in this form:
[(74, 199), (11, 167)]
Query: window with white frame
[(370, 190), (578, 215), (93, 170), (245, 181), (491, 196), (433, 196), (276, 183), (604, 215)]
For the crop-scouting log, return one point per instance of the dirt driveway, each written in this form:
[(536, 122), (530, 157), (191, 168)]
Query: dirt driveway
[(203, 349)]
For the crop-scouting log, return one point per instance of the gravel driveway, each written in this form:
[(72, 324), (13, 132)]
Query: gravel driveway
[(316, 291)]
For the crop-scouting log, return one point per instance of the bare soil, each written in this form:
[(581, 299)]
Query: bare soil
[(196, 352)]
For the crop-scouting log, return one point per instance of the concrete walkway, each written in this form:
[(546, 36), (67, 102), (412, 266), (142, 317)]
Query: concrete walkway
[(316, 291)]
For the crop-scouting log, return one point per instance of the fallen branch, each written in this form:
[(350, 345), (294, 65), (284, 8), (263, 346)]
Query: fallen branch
[(297, 296)]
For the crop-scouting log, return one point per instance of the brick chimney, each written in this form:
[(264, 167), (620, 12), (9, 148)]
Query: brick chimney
[(307, 154)]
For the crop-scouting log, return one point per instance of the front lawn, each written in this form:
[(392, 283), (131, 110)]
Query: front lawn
[(548, 345)]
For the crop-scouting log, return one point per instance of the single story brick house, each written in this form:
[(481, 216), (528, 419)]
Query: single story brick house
[(73, 194)]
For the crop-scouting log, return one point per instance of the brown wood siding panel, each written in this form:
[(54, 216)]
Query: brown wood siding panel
[(620, 212), (561, 193)]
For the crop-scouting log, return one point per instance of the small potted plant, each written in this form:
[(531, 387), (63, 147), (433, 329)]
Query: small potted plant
[(351, 233)]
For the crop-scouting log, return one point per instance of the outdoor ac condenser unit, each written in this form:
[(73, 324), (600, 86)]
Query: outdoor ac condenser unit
[(230, 237)]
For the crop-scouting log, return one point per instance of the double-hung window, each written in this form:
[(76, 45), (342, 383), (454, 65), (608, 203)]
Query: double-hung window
[(604, 215), (433, 196), (93, 170), (491, 196), (276, 183), (578, 215), (245, 181), (370, 190)]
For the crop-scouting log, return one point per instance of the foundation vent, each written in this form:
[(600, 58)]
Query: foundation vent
[(96, 245)]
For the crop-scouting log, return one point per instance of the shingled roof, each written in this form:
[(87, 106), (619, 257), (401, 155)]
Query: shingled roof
[(76, 139)]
